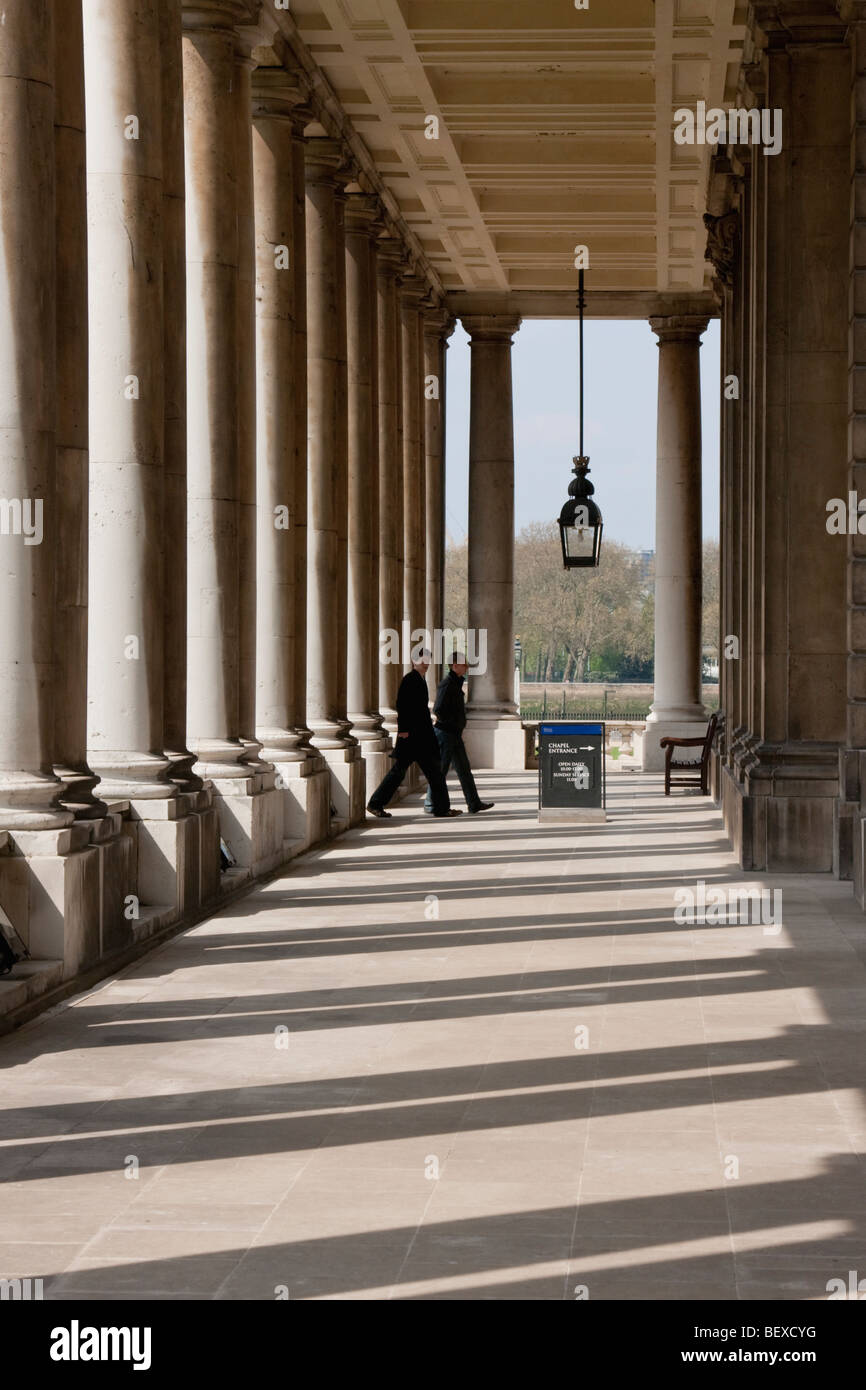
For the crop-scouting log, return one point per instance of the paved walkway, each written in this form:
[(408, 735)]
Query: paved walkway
[(475, 1059)]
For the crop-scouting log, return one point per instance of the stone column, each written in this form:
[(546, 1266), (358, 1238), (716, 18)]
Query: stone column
[(438, 327), (494, 735), (125, 270), (362, 223), (850, 856), (28, 540), (247, 509), (276, 94), (218, 434), (130, 427), (327, 482), (70, 631), (677, 708), (280, 457), (412, 292), (389, 259), (795, 457), (726, 250), (174, 357)]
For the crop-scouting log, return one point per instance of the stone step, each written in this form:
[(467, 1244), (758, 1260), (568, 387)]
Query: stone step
[(28, 980)]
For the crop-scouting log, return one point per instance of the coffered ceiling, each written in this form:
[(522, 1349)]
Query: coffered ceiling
[(555, 129)]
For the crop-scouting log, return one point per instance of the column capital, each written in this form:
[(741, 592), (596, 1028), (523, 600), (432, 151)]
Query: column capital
[(363, 214), (487, 328), (723, 235), (786, 22), (675, 328), (439, 322), (326, 161), (278, 93), (413, 289), (219, 14)]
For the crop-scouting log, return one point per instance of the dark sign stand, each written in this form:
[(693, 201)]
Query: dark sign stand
[(571, 773)]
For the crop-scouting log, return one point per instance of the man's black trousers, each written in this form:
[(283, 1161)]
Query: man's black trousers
[(429, 761)]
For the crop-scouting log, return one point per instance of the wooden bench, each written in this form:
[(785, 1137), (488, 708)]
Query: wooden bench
[(696, 772)]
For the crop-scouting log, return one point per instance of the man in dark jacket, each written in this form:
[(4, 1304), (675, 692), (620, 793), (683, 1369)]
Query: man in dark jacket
[(450, 712), (416, 743)]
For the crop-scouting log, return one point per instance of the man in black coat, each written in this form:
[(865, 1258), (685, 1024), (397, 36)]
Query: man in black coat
[(416, 743), (450, 712)]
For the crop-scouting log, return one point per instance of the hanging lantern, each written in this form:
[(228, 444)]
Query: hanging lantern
[(580, 523)]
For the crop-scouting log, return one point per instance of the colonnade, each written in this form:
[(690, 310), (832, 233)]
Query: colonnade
[(214, 354), (785, 238)]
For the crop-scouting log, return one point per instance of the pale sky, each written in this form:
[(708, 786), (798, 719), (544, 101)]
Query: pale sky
[(621, 375)]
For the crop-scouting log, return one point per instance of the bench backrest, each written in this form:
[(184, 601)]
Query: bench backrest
[(711, 730)]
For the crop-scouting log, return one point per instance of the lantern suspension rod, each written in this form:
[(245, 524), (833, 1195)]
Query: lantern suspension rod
[(580, 305)]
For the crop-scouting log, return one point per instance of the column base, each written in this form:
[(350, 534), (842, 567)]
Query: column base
[(251, 823), (376, 754), (348, 786), (50, 891), (495, 742), (652, 756), (781, 817), (305, 788), (168, 843)]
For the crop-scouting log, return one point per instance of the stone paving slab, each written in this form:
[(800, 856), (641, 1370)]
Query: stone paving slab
[(478, 1059)]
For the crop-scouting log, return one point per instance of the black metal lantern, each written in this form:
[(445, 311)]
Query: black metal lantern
[(580, 523)]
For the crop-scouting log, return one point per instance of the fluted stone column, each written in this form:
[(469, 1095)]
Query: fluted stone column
[(327, 482), (125, 268), (438, 327), (219, 415), (70, 631), (389, 260), (362, 223), (412, 293), (494, 735), (677, 708), (28, 540)]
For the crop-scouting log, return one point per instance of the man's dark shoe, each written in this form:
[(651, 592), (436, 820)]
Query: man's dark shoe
[(482, 806), (446, 815), (378, 813)]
